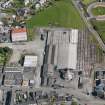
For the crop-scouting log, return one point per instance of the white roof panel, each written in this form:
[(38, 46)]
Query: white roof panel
[(74, 36), (72, 56), (30, 61)]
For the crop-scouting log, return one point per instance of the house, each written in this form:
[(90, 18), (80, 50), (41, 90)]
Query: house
[(42, 2), (30, 61), (37, 6), (20, 12), (19, 34)]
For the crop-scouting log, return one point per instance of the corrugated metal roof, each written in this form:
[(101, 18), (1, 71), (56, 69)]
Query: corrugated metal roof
[(74, 36), (67, 56), (30, 61), (63, 48)]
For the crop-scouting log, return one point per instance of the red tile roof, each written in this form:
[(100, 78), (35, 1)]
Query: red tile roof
[(18, 30)]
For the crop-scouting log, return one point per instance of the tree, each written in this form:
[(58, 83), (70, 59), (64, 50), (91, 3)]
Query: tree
[(52, 100), (74, 103)]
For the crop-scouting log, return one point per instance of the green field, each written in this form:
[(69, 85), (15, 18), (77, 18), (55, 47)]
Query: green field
[(99, 26), (86, 2), (98, 11), (61, 14)]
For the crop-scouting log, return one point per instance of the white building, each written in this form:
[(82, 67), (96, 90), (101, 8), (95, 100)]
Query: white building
[(30, 61)]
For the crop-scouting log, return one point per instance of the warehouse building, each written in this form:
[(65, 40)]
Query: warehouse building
[(13, 76), (60, 52), (63, 49)]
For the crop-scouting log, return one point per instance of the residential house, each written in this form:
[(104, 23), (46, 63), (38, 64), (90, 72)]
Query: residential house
[(19, 34)]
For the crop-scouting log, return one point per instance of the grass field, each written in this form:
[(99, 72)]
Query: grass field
[(99, 26), (61, 14), (98, 11), (86, 2)]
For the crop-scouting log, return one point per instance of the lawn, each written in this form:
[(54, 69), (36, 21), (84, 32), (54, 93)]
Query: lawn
[(86, 2), (99, 26), (19, 3), (61, 14), (98, 11)]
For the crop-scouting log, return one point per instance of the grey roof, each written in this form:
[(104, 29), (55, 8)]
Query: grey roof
[(67, 56), (13, 69), (58, 37), (28, 69), (28, 75), (62, 48), (13, 78)]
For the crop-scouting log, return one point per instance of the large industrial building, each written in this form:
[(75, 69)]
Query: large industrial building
[(61, 51)]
